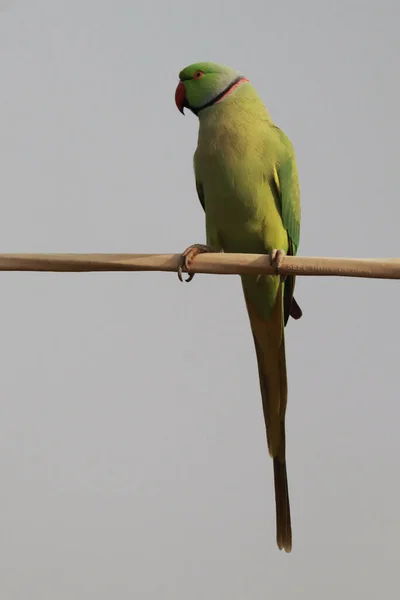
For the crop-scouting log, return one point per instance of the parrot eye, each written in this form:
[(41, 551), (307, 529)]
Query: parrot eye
[(198, 75)]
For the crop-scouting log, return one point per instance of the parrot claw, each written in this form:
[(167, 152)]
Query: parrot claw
[(276, 257), (186, 258)]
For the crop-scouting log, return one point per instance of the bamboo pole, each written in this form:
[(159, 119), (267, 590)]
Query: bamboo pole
[(216, 263)]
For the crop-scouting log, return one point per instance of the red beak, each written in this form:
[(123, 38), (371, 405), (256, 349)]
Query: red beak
[(180, 97)]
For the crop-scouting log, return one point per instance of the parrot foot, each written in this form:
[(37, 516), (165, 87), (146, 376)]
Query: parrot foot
[(276, 257), (187, 257)]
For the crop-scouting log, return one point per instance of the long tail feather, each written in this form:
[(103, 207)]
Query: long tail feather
[(283, 521), (269, 342)]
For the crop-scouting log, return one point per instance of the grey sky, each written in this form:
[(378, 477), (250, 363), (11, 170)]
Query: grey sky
[(132, 446)]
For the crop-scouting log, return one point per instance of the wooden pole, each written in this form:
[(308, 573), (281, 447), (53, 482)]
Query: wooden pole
[(216, 263)]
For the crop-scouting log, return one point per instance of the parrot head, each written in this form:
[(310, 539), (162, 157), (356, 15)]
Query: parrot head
[(203, 84)]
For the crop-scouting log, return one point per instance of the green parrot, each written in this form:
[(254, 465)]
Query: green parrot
[(247, 183)]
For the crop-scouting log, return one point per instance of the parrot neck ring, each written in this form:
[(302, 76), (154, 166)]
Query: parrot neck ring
[(218, 98), (222, 95)]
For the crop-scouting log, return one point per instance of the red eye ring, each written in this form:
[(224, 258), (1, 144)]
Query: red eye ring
[(198, 74)]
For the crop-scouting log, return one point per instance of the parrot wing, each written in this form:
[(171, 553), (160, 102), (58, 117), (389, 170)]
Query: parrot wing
[(286, 182)]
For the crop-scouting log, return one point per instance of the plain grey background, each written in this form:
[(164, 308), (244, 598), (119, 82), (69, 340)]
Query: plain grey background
[(133, 457)]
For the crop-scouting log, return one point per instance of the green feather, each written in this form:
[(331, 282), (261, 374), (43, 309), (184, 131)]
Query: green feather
[(247, 183), (289, 191)]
